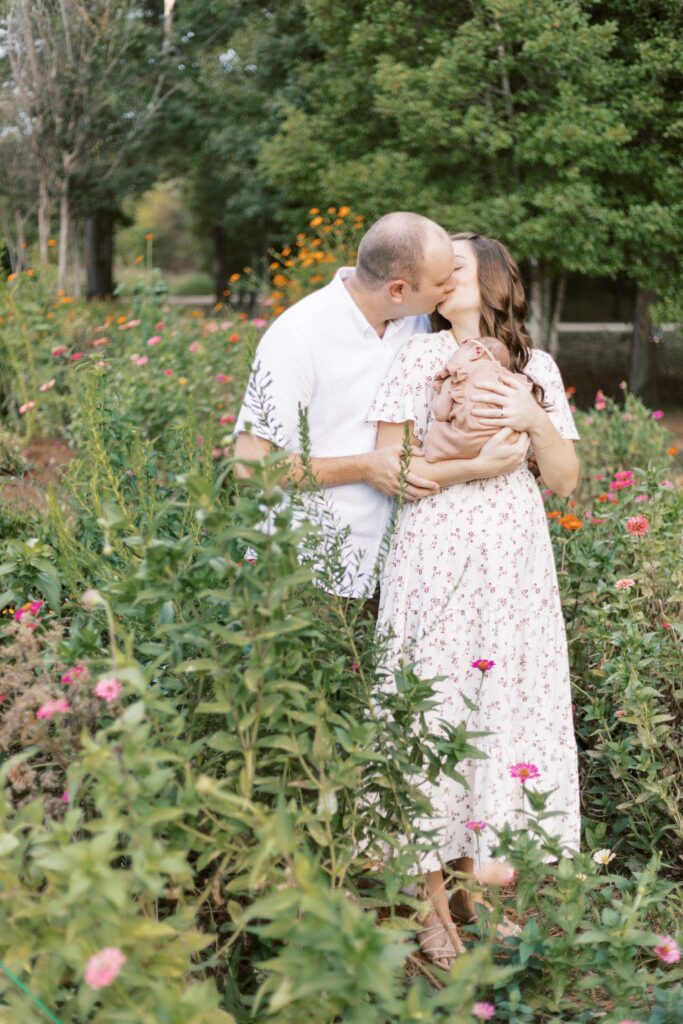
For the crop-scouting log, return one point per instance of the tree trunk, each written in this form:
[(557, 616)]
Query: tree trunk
[(642, 378), (540, 307), (558, 305), (76, 259), (219, 266), (63, 235), (99, 254), (43, 215)]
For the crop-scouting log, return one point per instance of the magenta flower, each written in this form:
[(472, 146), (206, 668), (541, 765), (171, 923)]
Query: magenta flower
[(228, 417), (53, 707), (76, 356), (72, 675), (483, 664), (65, 797), (642, 497), (104, 967), (168, 373), (657, 414), (108, 689), (524, 771), (668, 949), (484, 1011), (154, 340), (59, 350), (475, 826), (35, 607)]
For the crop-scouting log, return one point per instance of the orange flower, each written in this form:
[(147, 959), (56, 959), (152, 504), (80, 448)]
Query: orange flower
[(149, 236), (553, 515), (273, 266), (10, 277), (344, 211), (234, 277), (286, 251), (672, 451), (52, 242), (316, 221), (139, 259), (314, 209), (316, 278), (30, 273), (279, 309), (570, 391), (280, 280), (331, 209), (316, 242), (570, 522), (338, 221), (327, 227)]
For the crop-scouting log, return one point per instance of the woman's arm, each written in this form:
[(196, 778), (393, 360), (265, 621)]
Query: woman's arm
[(514, 406), (498, 456)]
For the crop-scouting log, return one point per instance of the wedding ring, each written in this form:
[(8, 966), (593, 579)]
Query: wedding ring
[(501, 415)]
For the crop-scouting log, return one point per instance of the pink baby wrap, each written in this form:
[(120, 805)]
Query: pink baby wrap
[(455, 432)]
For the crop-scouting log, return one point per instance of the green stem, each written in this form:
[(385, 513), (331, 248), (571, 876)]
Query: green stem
[(38, 1002)]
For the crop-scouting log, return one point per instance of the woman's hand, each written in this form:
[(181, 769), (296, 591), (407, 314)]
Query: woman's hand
[(509, 403)]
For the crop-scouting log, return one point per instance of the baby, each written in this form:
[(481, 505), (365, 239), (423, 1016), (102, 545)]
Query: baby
[(455, 432)]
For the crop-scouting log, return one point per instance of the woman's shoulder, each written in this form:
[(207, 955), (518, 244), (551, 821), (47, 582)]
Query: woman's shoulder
[(428, 350), (542, 367)]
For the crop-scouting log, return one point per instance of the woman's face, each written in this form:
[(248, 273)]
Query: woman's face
[(465, 299)]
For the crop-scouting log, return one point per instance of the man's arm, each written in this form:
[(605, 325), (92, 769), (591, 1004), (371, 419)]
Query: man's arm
[(498, 456), (380, 468)]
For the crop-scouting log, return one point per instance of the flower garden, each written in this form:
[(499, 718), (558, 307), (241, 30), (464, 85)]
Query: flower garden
[(200, 775)]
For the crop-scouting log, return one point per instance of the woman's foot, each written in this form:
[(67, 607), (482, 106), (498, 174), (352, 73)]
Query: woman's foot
[(439, 942), (463, 908)]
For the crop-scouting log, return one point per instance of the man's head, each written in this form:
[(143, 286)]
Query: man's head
[(406, 261)]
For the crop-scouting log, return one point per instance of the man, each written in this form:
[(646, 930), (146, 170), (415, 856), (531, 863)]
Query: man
[(328, 355)]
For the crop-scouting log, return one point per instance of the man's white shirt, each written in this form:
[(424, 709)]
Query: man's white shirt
[(324, 356)]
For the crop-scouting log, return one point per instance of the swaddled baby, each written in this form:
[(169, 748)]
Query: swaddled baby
[(455, 432)]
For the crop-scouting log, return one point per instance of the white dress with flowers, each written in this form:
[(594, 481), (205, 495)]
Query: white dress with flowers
[(470, 575)]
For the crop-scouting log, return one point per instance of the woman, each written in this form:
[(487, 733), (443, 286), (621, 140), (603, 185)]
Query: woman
[(470, 575)]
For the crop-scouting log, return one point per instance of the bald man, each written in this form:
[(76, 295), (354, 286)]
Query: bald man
[(328, 355)]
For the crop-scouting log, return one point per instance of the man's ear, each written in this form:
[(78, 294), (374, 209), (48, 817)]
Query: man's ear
[(397, 290)]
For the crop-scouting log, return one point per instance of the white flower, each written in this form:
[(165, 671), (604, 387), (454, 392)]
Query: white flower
[(603, 856), (581, 877), (91, 598)]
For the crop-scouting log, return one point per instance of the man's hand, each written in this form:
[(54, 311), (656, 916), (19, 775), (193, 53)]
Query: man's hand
[(500, 454), (384, 474)]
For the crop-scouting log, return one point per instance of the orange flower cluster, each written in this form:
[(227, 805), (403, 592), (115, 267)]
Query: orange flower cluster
[(311, 260)]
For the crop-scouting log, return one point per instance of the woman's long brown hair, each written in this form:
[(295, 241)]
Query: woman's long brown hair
[(504, 307)]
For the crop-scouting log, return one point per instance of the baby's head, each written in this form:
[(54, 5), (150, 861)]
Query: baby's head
[(477, 348)]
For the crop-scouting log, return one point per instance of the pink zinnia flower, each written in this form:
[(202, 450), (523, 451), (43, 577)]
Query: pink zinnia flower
[(483, 664), (668, 949), (641, 497), (35, 607), (223, 378), (108, 689), (194, 347), (638, 526), (258, 321), (26, 407), (71, 675), (200, 440), (65, 796), (657, 414), (53, 707), (77, 355), (667, 484), (104, 967), (625, 584), (160, 326), (142, 360), (154, 340), (168, 372), (228, 417), (600, 405), (498, 872), (100, 341), (59, 350), (484, 1011), (624, 474), (48, 385), (475, 826), (524, 771)]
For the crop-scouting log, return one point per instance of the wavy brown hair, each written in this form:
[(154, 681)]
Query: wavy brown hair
[(504, 307)]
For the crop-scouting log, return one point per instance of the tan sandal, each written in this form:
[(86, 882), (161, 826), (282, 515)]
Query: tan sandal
[(437, 945), (457, 905)]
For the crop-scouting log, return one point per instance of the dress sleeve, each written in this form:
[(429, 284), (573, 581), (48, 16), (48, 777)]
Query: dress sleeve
[(281, 381), (407, 390), (543, 369)]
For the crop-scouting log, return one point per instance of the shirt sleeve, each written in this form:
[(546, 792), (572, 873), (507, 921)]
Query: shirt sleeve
[(281, 382), (543, 369), (407, 390)]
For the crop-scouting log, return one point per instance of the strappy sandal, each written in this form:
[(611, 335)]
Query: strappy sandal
[(437, 945), (506, 928)]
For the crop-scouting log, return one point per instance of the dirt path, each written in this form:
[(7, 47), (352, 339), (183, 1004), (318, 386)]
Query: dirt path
[(46, 459)]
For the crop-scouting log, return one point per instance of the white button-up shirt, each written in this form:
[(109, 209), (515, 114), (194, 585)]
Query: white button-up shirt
[(322, 354)]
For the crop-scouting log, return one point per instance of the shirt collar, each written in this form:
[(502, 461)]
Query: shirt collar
[(346, 299)]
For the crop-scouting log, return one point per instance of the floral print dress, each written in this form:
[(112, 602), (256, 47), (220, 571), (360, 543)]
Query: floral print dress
[(470, 575)]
